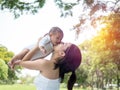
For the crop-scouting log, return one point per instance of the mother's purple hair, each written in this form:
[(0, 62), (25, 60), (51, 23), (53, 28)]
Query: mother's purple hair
[(70, 63)]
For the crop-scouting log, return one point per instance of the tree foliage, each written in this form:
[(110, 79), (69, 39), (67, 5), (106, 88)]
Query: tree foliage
[(3, 70), (5, 54), (101, 53), (6, 74), (19, 7)]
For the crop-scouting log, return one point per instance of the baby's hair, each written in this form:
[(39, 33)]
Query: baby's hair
[(55, 30)]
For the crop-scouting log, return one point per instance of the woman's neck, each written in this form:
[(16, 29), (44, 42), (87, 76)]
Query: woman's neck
[(53, 59)]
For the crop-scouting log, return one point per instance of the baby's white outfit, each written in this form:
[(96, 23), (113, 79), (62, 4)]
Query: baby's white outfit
[(46, 43)]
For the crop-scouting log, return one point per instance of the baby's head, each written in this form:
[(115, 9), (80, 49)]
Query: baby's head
[(56, 35)]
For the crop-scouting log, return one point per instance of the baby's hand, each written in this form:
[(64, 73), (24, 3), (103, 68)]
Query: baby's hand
[(12, 66), (43, 51), (11, 62)]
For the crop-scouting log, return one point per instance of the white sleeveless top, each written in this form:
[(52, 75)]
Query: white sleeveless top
[(43, 83)]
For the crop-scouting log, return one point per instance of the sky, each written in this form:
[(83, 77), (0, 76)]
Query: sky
[(15, 34)]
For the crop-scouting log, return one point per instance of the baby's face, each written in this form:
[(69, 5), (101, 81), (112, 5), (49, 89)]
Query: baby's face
[(56, 38)]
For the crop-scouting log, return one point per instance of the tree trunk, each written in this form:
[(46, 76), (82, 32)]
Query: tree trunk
[(118, 81)]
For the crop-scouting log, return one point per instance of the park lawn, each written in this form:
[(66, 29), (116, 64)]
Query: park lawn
[(17, 87), (32, 87), (24, 87)]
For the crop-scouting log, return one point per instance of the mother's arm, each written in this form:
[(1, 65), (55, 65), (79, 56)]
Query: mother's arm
[(39, 64)]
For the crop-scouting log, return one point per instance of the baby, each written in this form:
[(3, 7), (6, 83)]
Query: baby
[(45, 45)]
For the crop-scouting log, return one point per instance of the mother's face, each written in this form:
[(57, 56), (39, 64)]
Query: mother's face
[(62, 46)]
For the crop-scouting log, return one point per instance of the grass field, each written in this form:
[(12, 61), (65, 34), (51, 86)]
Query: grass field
[(17, 87), (32, 87), (23, 87)]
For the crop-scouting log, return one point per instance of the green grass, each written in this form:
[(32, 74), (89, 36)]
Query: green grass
[(32, 87), (17, 87), (24, 87)]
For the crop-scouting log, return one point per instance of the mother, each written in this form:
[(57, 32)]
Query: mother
[(65, 58)]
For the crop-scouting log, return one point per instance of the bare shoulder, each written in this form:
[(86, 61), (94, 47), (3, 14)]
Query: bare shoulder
[(42, 61), (42, 64)]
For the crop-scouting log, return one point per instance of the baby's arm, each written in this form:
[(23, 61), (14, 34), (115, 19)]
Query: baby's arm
[(29, 55), (17, 57)]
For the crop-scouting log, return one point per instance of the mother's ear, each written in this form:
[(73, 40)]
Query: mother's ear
[(62, 53)]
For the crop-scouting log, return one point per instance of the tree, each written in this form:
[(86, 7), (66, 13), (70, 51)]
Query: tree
[(93, 10), (3, 70), (86, 64), (5, 54), (6, 74), (101, 53), (90, 10), (19, 7)]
